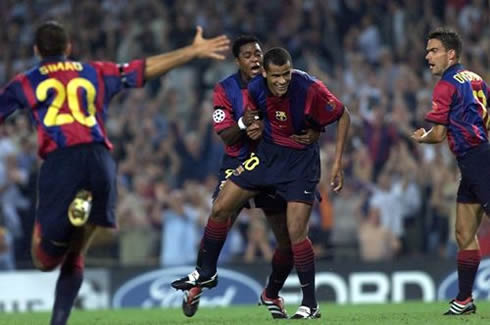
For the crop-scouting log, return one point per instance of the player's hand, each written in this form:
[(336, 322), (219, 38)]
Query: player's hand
[(418, 134), (210, 48), (254, 131), (337, 177), (309, 137), (250, 116)]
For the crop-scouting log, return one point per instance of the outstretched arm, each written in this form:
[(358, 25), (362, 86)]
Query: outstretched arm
[(200, 48)]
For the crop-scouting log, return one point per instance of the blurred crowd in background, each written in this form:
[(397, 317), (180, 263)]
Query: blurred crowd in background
[(398, 199)]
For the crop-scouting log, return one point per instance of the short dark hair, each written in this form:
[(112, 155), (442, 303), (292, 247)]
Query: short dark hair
[(277, 56), (51, 39), (242, 40), (449, 38)]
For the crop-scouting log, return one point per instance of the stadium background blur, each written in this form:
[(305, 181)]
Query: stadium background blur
[(398, 200)]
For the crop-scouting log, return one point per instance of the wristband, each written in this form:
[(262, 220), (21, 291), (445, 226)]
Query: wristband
[(241, 125)]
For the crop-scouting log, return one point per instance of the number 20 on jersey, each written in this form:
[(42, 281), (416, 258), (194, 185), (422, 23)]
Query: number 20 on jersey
[(68, 93)]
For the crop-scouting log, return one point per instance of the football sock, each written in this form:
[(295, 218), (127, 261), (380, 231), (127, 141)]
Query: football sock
[(468, 262), (199, 253), (304, 260), (282, 264), (69, 282), (212, 243)]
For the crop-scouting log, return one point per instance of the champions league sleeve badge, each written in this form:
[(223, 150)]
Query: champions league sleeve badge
[(218, 115)]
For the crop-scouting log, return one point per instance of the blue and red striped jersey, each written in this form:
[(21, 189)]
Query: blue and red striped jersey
[(307, 104), (68, 100), (460, 102), (230, 99)]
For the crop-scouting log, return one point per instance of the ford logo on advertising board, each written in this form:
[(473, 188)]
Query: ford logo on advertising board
[(481, 288), (153, 289)]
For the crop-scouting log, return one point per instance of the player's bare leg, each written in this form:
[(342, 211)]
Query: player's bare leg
[(468, 219), (48, 254), (298, 216), (230, 199), (282, 264)]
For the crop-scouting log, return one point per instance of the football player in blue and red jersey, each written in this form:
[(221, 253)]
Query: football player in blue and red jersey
[(68, 102), (238, 128), (286, 162), (460, 113)]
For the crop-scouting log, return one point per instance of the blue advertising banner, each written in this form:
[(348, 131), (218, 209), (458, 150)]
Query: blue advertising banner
[(343, 283)]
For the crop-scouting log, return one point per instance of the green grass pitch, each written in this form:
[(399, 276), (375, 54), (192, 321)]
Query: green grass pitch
[(407, 313)]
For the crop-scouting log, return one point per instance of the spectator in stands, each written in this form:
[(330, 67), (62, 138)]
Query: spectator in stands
[(385, 245)]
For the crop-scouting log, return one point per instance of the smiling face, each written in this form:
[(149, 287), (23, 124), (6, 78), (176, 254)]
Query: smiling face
[(278, 78), (438, 57), (249, 60)]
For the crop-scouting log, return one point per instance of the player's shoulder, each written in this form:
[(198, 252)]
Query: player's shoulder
[(458, 75), (301, 80), (106, 67), (229, 81), (302, 77), (22, 77), (256, 85), (445, 88), (29, 72)]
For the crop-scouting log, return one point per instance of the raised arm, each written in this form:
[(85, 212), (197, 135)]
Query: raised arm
[(200, 48)]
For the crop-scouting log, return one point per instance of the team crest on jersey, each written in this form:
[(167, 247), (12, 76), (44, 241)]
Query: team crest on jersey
[(281, 116), (218, 115)]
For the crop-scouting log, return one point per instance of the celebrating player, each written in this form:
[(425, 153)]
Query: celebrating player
[(237, 128), (459, 111), (68, 101), (286, 162)]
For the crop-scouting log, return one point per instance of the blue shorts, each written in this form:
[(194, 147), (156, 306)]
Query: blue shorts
[(266, 200), (63, 173), (290, 173), (474, 186)]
